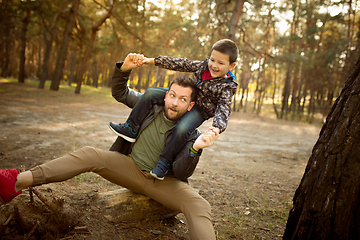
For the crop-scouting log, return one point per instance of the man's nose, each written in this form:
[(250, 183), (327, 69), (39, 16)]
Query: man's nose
[(175, 102)]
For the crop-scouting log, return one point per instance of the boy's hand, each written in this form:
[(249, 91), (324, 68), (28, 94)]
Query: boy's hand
[(215, 129), (137, 59), (148, 61), (206, 139), (132, 60)]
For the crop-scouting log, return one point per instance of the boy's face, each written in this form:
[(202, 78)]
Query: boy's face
[(219, 64), (177, 102)]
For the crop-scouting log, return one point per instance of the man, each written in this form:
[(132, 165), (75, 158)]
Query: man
[(132, 172)]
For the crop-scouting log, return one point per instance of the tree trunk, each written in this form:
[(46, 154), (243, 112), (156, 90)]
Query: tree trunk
[(94, 29), (286, 93), (8, 43), (148, 80), (273, 94), (326, 203), (48, 39), (73, 56), (64, 46), (236, 13), (95, 74), (25, 25), (295, 91), (140, 77)]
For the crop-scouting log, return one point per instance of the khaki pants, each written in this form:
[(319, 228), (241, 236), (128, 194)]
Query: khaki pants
[(122, 170)]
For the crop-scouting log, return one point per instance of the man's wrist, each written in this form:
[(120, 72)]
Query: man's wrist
[(124, 69), (194, 150), (119, 66)]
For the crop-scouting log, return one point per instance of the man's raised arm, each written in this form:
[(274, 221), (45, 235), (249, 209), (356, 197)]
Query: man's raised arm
[(119, 87)]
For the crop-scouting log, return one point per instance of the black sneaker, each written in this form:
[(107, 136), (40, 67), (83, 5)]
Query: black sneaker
[(123, 130), (160, 170)]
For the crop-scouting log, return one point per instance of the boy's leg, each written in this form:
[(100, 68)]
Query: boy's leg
[(184, 127), (113, 166), (152, 96), (181, 197), (129, 129)]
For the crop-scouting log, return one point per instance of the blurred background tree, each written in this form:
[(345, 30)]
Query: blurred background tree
[(294, 54)]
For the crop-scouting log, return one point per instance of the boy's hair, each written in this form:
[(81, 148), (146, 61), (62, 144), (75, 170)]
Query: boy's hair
[(185, 81), (227, 46)]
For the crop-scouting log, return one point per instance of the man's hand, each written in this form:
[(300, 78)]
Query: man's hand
[(206, 139), (132, 60)]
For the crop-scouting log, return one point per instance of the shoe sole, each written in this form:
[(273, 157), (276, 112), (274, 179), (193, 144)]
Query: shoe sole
[(155, 176), (122, 135)]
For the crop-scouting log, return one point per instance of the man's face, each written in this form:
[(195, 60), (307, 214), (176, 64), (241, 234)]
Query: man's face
[(177, 102), (219, 64)]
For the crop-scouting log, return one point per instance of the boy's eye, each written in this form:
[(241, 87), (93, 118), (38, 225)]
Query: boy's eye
[(183, 99)]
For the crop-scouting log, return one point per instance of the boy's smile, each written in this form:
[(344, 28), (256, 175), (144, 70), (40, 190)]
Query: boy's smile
[(219, 64)]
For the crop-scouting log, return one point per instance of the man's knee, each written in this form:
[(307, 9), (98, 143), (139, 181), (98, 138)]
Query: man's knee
[(205, 205), (155, 95), (150, 92), (200, 207)]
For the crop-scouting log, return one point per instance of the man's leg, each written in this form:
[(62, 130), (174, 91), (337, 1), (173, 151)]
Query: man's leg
[(181, 197), (113, 166)]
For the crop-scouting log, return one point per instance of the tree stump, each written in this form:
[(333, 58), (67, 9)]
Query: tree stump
[(123, 205), (326, 203)]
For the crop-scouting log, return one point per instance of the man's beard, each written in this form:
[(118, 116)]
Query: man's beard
[(173, 118)]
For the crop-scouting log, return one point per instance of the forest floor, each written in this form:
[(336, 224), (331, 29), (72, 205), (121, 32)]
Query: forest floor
[(249, 176)]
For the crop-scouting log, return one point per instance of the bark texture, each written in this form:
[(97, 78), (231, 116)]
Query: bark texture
[(326, 204)]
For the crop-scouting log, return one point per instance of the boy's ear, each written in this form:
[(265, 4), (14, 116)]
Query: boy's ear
[(232, 66)]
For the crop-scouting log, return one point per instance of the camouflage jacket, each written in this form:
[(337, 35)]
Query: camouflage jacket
[(214, 95)]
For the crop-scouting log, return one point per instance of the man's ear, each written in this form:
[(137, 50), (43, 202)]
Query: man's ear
[(191, 106), (167, 92)]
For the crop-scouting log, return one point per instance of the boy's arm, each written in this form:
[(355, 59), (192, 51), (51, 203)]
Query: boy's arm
[(223, 110), (177, 64), (188, 158)]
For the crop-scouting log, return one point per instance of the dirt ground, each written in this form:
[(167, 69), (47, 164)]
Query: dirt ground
[(249, 175)]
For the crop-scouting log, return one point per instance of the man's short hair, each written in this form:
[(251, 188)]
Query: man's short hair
[(227, 46), (185, 81)]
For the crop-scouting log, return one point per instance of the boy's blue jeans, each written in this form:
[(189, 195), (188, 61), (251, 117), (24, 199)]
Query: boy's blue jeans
[(184, 127)]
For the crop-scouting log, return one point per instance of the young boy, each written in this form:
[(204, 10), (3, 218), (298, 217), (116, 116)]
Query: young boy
[(216, 86)]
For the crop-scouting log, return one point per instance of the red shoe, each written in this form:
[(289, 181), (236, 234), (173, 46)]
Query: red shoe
[(8, 179)]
